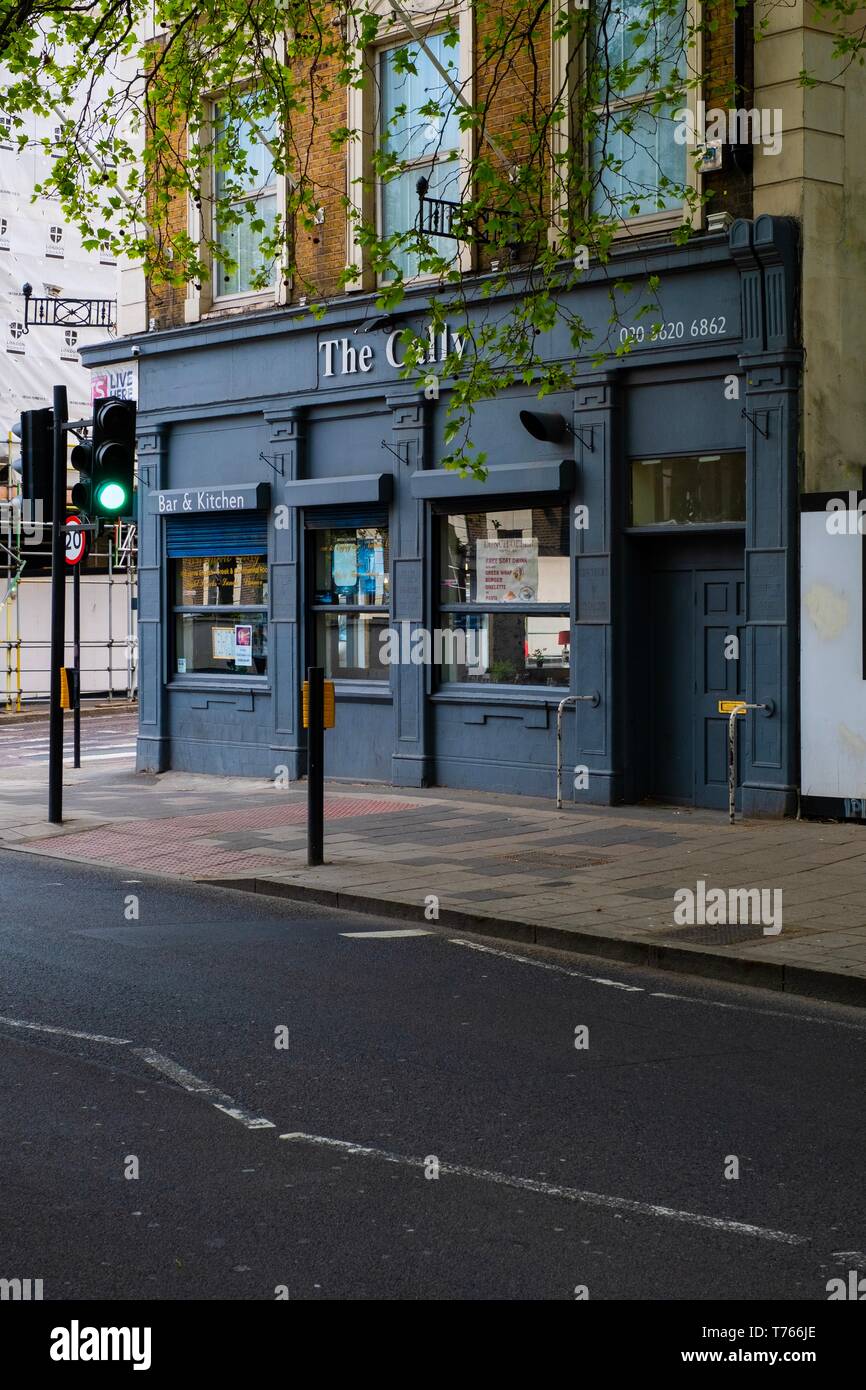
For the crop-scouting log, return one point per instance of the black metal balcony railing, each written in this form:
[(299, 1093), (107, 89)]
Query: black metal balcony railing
[(444, 218), (53, 312)]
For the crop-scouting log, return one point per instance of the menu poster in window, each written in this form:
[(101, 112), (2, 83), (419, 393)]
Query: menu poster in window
[(506, 571), (243, 652), (222, 641), (345, 565)]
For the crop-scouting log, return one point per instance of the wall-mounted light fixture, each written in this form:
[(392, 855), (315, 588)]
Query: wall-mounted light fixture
[(551, 428)]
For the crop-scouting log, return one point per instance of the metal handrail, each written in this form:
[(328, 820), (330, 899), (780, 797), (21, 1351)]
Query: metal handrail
[(739, 708), (594, 699)]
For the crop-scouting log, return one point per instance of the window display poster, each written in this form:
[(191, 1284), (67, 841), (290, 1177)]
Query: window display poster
[(345, 565), (243, 652), (223, 643), (506, 571), (371, 567)]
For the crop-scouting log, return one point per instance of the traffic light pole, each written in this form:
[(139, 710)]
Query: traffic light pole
[(76, 664), (58, 607)]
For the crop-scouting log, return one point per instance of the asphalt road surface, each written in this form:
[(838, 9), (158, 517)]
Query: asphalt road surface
[(108, 737), (231, 1096)]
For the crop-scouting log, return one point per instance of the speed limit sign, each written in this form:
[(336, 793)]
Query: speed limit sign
[(75, 540)]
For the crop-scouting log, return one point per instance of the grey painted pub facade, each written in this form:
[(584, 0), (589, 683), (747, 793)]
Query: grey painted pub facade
[(293, 509)]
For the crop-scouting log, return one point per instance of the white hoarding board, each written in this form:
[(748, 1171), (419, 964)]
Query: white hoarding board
[(832, 688)]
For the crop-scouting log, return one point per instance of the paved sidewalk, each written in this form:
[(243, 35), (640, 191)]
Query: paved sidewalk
[(598, 881)]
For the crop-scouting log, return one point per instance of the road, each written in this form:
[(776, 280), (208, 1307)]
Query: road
[(148, 1096), (108, 737)]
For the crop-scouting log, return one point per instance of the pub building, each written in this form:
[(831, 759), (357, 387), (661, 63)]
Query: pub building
[(293, 510)]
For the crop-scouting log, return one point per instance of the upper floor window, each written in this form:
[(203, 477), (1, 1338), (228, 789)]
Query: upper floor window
[(245, 199), (635, 53), (419, 135)]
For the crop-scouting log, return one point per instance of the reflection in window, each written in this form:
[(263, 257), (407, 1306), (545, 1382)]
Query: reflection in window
[(421, 132), (251, 198), (515, 565), (350, 600), (220, 607), (702, 488), (639, 166)]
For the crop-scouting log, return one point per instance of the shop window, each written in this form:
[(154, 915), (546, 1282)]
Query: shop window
[(688, 491), (505, 596), (220, 614), (350, 600)]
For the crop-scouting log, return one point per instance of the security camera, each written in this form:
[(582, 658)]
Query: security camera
[(135, 351)]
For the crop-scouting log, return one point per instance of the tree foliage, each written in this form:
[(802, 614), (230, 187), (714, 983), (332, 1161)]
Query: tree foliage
[(129, 84)]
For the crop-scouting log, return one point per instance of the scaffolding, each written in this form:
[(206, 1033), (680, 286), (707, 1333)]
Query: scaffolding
[(109, 640)]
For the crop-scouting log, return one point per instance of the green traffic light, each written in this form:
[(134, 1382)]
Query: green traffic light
[(112, 497)]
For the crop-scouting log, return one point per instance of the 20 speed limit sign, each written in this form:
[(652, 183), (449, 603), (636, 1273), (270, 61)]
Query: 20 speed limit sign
[(75, 540)]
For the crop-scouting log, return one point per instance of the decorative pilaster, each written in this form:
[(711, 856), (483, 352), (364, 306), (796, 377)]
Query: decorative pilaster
[(411, 763), (285, 655), (597, 589), (153, 752)]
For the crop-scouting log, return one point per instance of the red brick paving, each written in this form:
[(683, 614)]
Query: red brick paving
[(170, 843)]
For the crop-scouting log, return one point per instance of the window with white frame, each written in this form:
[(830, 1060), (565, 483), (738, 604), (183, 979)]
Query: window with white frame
[(248, 200), (419, 132), (638, 166), (397, 112)]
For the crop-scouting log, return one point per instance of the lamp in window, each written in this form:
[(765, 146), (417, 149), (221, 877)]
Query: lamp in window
[(564, 641)]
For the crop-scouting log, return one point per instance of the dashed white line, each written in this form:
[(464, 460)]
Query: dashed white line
[(63, 1032), (383, 935), (546, 1189), (764, 1013), (185, 1078), (546, 965)]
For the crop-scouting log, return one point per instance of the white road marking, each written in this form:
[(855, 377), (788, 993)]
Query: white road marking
[(185, 1078), (171, 1069), (64, 1032), (569, 1194), (381, 935), (106, 757), (764, 1013), (546, 965)]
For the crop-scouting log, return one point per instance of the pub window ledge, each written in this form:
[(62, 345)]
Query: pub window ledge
[(457, 694), (235, 687), (362, 690)]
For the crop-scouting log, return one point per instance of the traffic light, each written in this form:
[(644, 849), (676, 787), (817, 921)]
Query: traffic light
[(37, 477), (106, 461)]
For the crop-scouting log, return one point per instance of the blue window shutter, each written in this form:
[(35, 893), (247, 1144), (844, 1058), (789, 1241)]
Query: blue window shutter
[(245, 534), (340, 518)]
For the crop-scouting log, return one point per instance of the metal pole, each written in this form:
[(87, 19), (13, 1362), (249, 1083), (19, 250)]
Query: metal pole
[(58, 607), (732, 761), (76, 662), (316, 766), (593, 699)]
